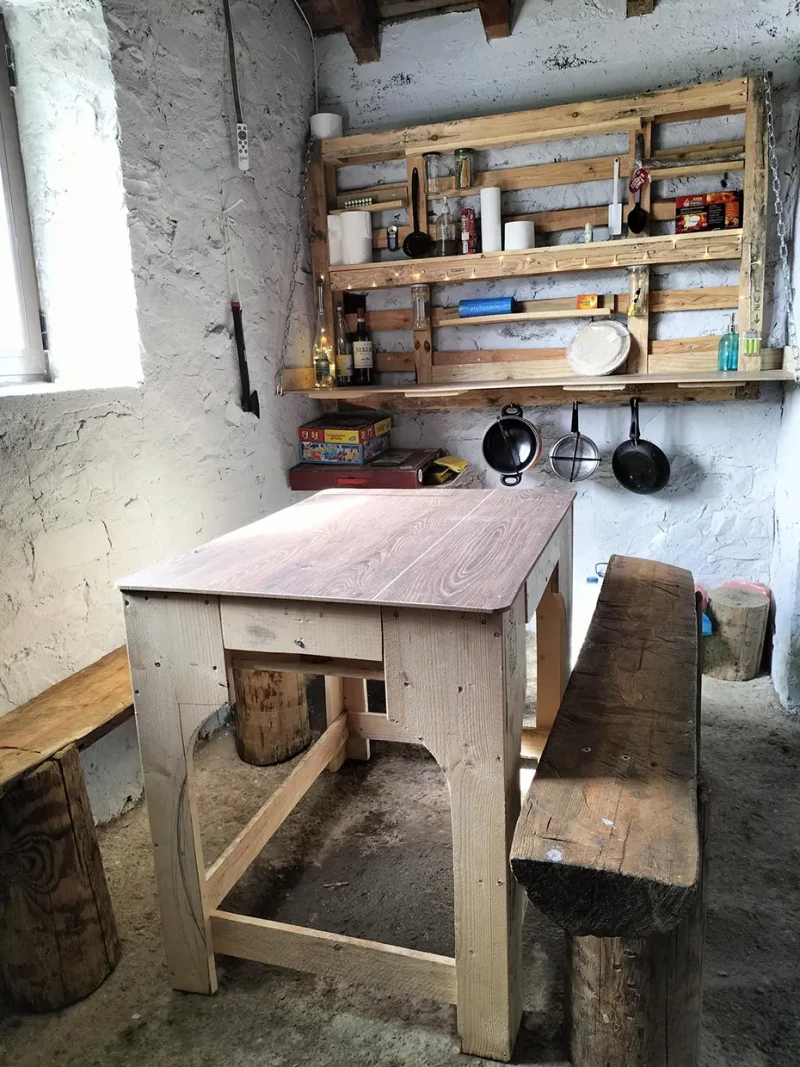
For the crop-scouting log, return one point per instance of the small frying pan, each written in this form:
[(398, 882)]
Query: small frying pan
[(418, 242), (639, 466), (574, 456)]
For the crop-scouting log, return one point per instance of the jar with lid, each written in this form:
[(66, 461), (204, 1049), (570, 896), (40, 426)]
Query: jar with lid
[(446, 233), (464, 160)]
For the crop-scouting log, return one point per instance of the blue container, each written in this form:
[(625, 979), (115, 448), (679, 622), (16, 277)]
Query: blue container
[(501, 305)]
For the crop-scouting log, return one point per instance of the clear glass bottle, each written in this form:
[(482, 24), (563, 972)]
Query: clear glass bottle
[(638, 290), (729, 348), (344, 351), (420, 303), (446, 233), (434, 172), (464, 165), (322, 352)]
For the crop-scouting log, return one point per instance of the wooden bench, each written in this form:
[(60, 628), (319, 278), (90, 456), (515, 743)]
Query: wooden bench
[(610, 841), (58, 936)]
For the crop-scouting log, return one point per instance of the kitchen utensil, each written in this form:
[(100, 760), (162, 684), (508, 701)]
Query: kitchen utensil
[(615, 207), (418, 242), (599, 348), (574, 457), (638, 218), (512, 445), (640, 466), (491, 228)]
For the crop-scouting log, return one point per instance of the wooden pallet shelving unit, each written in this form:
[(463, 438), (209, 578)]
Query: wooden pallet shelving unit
[(679, 369)]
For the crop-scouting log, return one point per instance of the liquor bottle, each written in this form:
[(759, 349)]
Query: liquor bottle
[(363, 364), (322, 352), (344, 351)]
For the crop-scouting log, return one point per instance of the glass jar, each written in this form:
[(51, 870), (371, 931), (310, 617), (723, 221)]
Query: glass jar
[(638, 290), (421, 305), (434, 172), (464, 168)]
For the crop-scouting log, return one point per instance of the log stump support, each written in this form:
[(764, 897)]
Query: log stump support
[(637, 1002), (739, 618), (271, 715), (58, 936)]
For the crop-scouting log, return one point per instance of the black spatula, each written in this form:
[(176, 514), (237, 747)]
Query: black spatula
[(418, 242)]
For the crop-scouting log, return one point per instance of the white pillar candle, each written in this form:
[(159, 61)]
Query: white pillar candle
[(491, 229)]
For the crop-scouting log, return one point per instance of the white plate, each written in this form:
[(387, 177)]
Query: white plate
[(599, 348)]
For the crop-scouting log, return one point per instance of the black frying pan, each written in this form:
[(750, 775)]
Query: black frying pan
[(639, 466)]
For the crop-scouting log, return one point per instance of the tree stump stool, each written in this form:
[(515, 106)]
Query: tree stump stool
[(271, 715), (739, 617), (58, 936)]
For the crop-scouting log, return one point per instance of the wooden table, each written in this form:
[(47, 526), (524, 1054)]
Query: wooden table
[(429, 590)]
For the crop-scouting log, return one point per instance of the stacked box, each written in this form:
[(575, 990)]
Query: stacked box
[(350, 429), (341, 452), (397, 469)]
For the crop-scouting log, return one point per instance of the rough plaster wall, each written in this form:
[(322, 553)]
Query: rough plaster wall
[(96, 484), (716, 517)]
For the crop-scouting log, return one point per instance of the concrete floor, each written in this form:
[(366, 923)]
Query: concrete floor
[(368, 854)]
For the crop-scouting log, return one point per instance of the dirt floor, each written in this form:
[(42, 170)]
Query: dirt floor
[(368, 854)]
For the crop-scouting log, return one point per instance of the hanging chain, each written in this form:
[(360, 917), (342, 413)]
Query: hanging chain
[(298, 237), (783, 242)]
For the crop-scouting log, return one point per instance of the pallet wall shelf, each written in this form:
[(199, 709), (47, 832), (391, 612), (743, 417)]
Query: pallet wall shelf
[(675, 370)]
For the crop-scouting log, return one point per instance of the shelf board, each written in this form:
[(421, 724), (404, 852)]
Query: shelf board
[(523, 316), (617, 388), (383, 205), (602, 255)]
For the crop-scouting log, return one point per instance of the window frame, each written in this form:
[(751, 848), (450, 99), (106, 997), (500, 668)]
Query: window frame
[(29, 365)]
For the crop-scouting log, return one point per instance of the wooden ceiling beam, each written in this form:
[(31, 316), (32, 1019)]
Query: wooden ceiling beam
[(496, 18), (360, 21), (639, 7)]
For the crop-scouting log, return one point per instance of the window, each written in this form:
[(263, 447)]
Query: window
[(22, 353)]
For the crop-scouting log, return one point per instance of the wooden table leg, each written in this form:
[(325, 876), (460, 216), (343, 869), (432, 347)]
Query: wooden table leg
[(346, 694), (178, 673), (457, 683), (553, 625)]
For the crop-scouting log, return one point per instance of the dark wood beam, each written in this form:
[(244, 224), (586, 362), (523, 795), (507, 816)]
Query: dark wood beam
[(359, 19), (496, 18), (639, 7)]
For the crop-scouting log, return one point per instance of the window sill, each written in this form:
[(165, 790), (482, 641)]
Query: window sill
[(63, 389)]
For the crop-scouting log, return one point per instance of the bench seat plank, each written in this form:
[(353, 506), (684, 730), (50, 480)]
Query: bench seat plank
[(607, 842), (77, 711)]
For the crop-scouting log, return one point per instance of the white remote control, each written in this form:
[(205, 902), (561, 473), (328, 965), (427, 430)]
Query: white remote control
[(242, 147)]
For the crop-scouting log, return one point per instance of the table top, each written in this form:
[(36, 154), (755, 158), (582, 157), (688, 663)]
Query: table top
[(452, 549)]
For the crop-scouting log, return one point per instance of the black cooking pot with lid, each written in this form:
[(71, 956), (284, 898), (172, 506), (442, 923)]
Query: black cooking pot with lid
[(512, 445)]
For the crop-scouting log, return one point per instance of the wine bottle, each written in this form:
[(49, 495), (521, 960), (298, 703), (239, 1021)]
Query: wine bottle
[(322, 352), (363, 363), (344, 351)]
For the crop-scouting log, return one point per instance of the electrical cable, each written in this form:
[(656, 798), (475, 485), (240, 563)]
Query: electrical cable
[(314, 52), (237, 102)]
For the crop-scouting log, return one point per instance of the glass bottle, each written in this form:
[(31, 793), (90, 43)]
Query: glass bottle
[(729, 348), (344, 351), (638, 290), (445, 242), (322, 352), (434, 172), (363, 360)]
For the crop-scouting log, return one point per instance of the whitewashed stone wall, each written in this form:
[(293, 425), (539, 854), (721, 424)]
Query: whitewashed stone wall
[(716, 516), (95, 484)]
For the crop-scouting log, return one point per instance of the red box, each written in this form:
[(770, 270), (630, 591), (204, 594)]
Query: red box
[(708, 211), (399, 468)]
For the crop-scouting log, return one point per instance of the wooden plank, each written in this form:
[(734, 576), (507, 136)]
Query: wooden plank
[(360, 21), (76, 711), (498, 368), (527, 127), (602, 255), (536, 176), (342, 696), (696, 170), (179, 680), (525, 316), (552, 654), (639, 325), (635, 8), (458, 682), (228, 868), (465, 551), (710, 150), (388, 193), (388, 205), (754, 221), (337, 668), (533, 742), (377, 727), (320, 177), (400, 970), (496, 18), (306, 628), (607, 842)]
